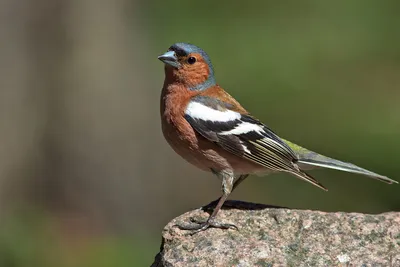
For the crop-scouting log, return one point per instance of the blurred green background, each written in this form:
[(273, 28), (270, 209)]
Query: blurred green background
[(86, 178)]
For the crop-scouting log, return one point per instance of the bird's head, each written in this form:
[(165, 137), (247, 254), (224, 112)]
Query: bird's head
[(188, 65)]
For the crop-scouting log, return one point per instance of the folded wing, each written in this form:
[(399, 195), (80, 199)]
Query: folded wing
[(243, 136)]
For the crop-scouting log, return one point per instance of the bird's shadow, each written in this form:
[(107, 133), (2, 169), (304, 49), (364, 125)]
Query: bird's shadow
[(240, 205)]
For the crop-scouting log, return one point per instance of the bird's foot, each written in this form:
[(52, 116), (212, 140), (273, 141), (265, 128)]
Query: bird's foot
[(197, 226)]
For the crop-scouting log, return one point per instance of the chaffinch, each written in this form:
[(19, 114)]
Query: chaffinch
[(211, 130)]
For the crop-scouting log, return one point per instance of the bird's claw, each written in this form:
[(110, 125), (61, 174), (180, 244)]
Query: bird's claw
[(197, 226)]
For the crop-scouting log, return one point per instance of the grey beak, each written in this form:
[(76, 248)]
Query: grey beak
[(170, 59)]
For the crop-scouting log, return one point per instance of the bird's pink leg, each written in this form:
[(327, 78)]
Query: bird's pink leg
[(227, 187)]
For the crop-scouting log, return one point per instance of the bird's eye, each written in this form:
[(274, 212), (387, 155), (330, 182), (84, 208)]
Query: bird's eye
[(191, 60)]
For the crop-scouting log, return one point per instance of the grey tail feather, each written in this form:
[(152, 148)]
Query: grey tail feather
[(314, 159)]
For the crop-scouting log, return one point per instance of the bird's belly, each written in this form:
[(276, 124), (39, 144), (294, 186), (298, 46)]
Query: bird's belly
[(207, 155), (188, 148)]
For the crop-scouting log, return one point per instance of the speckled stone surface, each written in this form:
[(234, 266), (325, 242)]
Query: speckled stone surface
[(284, 237)]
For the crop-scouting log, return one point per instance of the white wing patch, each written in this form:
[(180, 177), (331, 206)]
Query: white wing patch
[(244, 147), (197, 110), (244, 127)]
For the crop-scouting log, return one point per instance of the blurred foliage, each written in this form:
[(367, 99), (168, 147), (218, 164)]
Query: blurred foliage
[(41, 243), (323, 74)]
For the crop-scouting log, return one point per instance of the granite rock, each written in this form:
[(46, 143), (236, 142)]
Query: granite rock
[(273, 236)]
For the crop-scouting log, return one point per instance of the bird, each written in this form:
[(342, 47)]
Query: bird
[(208, 128)]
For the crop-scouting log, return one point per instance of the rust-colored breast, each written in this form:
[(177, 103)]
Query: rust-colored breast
[(174, 100)]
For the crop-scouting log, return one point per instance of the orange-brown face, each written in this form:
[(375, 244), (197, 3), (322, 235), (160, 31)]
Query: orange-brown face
[(189, 65), (193, 70)]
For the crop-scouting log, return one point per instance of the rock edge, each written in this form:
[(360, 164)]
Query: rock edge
[(274, 236)]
